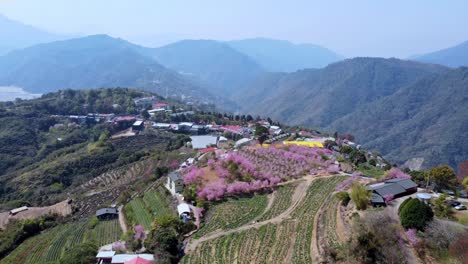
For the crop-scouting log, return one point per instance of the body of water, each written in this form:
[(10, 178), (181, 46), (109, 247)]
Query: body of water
[(10, 93)]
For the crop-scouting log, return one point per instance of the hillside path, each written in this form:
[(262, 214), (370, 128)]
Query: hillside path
[(123, 226), (298, 196)]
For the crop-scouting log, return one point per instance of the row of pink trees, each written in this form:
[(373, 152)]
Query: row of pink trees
[(255, 168)]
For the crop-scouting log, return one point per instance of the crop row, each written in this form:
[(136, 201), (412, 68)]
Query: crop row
[(282, 200), (289, 241), (233, 213), (51, 245)]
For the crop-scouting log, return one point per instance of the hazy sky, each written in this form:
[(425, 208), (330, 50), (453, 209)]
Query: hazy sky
[(350, 27)]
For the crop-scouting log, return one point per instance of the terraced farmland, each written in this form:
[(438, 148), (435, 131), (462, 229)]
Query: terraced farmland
[(50, 245), (233, 213), (143, 210), (288, 240), (282, 200)]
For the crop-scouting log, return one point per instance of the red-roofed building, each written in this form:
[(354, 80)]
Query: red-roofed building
[(232, 129), (206, 150), (139, 260), (161, 106)]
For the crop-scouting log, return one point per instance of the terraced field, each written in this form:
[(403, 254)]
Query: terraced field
[(233, 213), (281, 201), (326, 231), (50, 245), (285, 239), (143, 210)]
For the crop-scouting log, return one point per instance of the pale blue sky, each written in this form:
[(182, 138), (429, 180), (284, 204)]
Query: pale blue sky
[(351, 27)]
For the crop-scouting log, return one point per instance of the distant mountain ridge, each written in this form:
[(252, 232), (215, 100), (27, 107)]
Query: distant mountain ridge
[(283, 56), (388, 104), (455, 56), (15, 35), (93, 62), (214, 63)]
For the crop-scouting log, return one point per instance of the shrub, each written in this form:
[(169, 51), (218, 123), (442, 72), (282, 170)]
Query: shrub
[(360, 196), (403, 204), (84, 253), (344, 198), (415, 214)]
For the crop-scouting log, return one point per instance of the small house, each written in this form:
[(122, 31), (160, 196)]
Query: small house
[(104, 257), (138, 125), (184, 211), (18, 210), (175, 182), (394, 188), (201, 142), (107, 213)]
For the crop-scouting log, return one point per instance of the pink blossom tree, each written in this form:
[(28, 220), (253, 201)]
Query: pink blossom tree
[(412, 236), (396, 173), (388, 198), (139, 232)]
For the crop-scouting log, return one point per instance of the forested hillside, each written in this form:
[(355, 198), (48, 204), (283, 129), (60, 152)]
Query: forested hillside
[(94, 62), (43, 156), (360, 96)]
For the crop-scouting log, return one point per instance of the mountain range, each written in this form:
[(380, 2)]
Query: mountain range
[(452, 57), (284, 56), (403, 109), (15, 35), (235, 76)]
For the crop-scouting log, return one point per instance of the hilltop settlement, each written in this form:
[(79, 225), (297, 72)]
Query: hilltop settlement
[(183, 183)]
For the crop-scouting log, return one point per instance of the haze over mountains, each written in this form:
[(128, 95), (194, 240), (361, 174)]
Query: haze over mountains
[(402, 108), (453, 57), (15, 35), (288, 82)]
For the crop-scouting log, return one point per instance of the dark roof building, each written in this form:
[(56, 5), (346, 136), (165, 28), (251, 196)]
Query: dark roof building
[(107, 213), (393, 187)]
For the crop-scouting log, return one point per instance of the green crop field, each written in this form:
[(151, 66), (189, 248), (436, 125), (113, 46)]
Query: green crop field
[(51, 244), (289, 241), (233, 213)]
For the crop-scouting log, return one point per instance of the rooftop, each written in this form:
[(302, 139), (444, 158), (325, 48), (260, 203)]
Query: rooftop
[(175, 175), (200, 142), (104, 211)]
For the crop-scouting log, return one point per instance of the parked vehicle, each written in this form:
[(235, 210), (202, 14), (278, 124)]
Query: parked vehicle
[(460, 207), (454, 203)]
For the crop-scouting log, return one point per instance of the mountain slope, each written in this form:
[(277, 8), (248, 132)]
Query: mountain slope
[(425, 119), (92, 62), (318, 97), (284, 56), (15, 35), (213, 62), (403, 109), (453, 57)]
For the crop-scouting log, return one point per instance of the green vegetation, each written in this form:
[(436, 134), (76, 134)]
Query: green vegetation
[(443, 177), (282, 200), (143, 211), (83, 253), (371, 171), (233, 213), (360, 196), (415, 214), (270, 243), (343, 197), (18, 231), (52, 244)]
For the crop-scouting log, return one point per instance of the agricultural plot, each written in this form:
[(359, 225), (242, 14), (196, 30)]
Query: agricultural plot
[(105, 232), (157, 203), (282, 200), (289, 241), (233, 213), (326, 231), (137, 214), (50, 245)]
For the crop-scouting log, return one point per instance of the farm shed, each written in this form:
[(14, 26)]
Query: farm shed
[(104, 257), (393, 187), (107, 213), (377, 200), (18, 210), (242, 142), (201, 142), (184, 211), (138, 125), (175, 182)]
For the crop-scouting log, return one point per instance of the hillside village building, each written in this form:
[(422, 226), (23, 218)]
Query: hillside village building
[(175, 182)]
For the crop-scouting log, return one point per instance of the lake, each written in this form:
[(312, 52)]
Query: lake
[(10, 93)]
